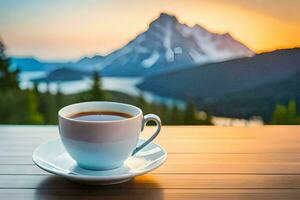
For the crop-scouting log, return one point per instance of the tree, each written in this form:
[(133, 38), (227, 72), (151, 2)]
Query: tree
[(12, 109), (141, 100), (143, 104), (97, 93), (285, 114), (8, 77), (46, 104), (175, 115), (59, 98), (31, 105), (35, 88), (164, 113), (291, 111), (279, 114), (190, 114)]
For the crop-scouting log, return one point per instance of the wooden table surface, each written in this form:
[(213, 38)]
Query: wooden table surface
[(203, 163)]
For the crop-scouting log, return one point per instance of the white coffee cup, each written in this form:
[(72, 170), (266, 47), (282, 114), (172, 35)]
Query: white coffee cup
[(101, 145)]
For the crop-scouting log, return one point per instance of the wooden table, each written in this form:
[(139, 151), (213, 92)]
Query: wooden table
[(203, 163)]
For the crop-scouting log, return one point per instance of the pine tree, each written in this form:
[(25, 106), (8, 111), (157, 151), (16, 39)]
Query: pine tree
[(46, 105), (35, 88), (50, 112), (291, 112), (279, 114), (164, 114), (286, 115), (142, 103), (97, 93), (175, 115), (141, 100), (59, 98), (190, 114), (12, 109), (31, 105), (8, 78)]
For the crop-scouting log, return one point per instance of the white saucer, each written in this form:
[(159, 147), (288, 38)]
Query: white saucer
[(52, 157)]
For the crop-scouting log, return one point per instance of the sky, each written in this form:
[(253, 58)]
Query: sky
[(70, 29)]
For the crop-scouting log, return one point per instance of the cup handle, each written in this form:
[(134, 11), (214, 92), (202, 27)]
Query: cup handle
[(147, 118)]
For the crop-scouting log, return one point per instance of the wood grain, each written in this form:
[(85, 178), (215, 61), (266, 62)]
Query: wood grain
[(162, 181), (148, 194), (193, 163), (203, 163)]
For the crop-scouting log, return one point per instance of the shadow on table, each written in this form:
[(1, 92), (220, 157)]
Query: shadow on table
[(142, 187)]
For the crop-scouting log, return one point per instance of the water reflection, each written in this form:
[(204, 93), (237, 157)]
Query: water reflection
[(119, 84)]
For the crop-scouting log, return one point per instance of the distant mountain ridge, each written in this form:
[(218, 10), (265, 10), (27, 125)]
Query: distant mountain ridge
[(33, 64), (241, 83), (165, 45), (62, 74)]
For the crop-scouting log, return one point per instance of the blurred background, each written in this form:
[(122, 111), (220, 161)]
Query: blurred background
[(217, 62)]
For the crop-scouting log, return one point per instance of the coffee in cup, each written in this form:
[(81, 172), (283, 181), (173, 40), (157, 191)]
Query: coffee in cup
[(102, 135)]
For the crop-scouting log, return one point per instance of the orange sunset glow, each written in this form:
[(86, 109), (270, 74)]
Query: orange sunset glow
[(71, 29)]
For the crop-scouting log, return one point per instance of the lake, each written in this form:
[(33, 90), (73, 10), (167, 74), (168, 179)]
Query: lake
[(126, 85)]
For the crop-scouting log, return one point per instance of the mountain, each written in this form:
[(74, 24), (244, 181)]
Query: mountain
[(27, 64), (63, 74), (259, 100), (168, 44), (165, 45), (33, 64), (214, 83), (89, 63)]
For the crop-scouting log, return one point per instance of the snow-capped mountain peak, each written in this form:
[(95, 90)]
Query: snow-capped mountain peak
[(168, 44)]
